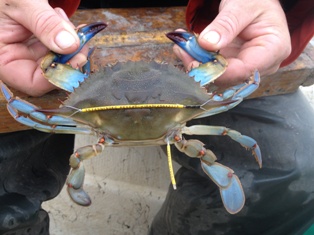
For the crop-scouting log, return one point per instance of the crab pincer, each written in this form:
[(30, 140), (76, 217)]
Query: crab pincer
[(212, 63), (63, 75)]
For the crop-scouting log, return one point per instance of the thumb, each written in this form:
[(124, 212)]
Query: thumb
[(50, 26), (225, 27)]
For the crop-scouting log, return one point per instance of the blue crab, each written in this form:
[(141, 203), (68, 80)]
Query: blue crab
[(138, 103)]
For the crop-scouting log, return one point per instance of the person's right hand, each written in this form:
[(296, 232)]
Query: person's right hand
[(250, 34), (29, 29)]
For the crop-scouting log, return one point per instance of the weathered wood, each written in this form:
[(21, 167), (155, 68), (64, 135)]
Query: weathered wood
[(288, 79), (139, 34)]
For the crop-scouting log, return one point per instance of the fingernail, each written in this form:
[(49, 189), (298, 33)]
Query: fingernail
[(212, 37), (64, 39)]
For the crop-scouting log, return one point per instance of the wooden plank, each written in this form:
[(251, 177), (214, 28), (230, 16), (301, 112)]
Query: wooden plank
[(139, 34), (289, 78)]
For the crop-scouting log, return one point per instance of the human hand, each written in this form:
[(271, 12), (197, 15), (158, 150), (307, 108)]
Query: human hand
[(250, 34), (28, 30)]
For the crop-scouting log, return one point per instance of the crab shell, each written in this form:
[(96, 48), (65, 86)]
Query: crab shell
[(137, 83)]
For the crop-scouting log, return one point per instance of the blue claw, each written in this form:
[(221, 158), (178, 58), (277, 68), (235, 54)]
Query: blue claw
[(213, 64), (84, 33), (63, 75), (210, 71), (188, 42)]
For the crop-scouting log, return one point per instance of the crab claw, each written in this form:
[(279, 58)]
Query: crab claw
[(62, 75), (84, 33), (188, 42), (213, 64)]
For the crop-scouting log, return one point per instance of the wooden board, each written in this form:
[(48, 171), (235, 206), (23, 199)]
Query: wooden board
[(139, 34)]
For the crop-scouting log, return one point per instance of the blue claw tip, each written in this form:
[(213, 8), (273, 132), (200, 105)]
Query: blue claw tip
[(86, 32)]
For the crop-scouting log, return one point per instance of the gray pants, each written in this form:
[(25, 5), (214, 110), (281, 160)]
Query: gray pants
[(33, 169), (279, 197)]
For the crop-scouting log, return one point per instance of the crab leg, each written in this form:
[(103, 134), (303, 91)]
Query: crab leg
[(242, 90), (229, 184), (62, 75), (213, 64), (15, 103), (46, 128), (58, 124), (76, 177), (239, 92), (244, 140), (236, 93)]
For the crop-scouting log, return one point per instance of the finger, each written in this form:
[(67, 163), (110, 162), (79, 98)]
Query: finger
[(186, 59), (240, 68), (51, 27), (227, 25), (235, 73), (63, 15), (78, 61), (18, 51), (36, 51), (27, 79)]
